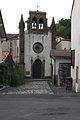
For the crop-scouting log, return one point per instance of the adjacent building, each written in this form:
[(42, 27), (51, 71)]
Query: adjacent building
[(7, 58), (12, 45), (75, 44), (61, 60), (63, 43), (2, 35)]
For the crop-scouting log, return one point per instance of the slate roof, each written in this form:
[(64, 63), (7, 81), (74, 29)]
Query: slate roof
[(13, 36), (60, 39), (2, 28)]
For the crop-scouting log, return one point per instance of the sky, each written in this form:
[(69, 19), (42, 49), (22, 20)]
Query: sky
[(12, 9)]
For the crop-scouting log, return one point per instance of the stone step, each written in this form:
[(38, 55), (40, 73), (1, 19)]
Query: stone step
[(29, 79)]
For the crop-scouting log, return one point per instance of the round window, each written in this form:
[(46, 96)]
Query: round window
[(38, 47)]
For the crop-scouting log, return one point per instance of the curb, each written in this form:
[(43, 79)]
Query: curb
[(4, 87)]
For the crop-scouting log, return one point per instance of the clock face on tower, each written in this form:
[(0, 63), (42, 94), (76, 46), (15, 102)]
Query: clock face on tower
[(38, 47)]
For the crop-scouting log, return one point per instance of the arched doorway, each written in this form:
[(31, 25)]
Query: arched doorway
[(37, 69)]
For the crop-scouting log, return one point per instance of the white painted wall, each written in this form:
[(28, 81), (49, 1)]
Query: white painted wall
[(14, 47), (75, 40), (15, 51), (64, 45), (6, 45), (30, 39), (0, 51)]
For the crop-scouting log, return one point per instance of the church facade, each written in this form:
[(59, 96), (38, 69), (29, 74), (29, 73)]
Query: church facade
[(35, 45)]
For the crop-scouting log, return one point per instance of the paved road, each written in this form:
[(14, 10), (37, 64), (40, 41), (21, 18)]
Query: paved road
[(40, 107), (39, 100)]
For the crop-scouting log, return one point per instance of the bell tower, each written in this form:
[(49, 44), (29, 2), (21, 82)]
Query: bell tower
[(37, 22)]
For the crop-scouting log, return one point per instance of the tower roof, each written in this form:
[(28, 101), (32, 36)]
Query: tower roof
[(37, 12), (2, 28), (21, 23)]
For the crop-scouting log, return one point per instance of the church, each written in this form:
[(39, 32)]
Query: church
[(35, 45)]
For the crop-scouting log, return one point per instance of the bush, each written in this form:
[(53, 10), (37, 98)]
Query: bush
[(11, 77), (17, 77), (4, 74)]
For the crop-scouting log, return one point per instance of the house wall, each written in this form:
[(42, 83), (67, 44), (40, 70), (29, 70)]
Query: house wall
[(64, 45), (75, 42), (45, 40), (57, 61), (59, 46), (15, 50), (6, 45), (13, 46), (0, 51)]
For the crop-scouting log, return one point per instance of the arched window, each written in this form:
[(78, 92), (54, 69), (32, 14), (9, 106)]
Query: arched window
[(41, 23), (34, 23)]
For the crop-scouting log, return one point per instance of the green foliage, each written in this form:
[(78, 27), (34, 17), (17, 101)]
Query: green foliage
[(48, 28), (4, 74), (10, 77), (63, 28), (17, 77)]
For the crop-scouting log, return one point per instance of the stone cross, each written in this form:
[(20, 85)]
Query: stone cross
[(37, 7)]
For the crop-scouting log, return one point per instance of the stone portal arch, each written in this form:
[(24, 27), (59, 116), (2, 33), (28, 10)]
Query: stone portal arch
[(37, 69)]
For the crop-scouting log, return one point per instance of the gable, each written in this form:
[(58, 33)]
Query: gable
[(2, 29)]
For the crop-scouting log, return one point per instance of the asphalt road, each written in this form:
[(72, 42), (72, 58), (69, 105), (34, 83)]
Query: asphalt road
[(40, 107)]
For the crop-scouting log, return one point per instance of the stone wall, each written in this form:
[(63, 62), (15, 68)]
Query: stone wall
[(45, 40)]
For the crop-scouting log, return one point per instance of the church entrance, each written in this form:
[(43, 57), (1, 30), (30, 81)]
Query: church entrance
[(37, 69)]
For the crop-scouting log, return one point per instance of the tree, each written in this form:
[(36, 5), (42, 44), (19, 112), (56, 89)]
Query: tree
[(63, 28)]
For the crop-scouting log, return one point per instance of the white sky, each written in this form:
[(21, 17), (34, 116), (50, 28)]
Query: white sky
[(12, 10)]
